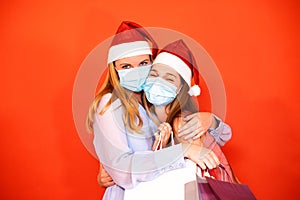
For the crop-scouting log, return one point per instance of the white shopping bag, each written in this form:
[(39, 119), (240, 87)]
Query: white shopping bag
[(170, 185)]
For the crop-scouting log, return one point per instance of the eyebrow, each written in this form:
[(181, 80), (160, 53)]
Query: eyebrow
[(147, 59), (124, 64), (170, 74)]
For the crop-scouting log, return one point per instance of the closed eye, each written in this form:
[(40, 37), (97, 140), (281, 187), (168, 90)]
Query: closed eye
[(153, 73), (170, 77), (170, 80)]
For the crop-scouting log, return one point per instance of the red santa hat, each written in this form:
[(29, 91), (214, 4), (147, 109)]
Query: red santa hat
[(131, 39), (178, 56)]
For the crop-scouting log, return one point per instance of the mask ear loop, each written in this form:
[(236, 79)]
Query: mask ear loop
[(172, 138), (179, 89)]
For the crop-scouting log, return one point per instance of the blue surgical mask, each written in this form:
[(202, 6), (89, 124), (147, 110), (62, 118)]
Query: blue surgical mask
[(133, 79), (159, 92)]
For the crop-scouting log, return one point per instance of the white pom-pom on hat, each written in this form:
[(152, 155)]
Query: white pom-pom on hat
[(195, 91)]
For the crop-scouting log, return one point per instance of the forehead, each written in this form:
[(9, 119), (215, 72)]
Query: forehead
[(162, 69)]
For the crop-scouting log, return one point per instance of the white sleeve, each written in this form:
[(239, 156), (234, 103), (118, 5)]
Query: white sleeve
[(222, 133), (126, 167)]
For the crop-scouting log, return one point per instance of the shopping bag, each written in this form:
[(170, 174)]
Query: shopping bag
[(211, 189), (220, 190), (169, 185)]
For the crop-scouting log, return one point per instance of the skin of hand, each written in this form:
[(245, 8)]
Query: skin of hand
[(196, 125), (195, 151), (165, 132), (103, 178), (204, 157)]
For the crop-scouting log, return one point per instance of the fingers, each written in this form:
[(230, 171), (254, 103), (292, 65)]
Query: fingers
[(210, 161), (215, 160), (103, 178), (192, 129), (204, 157), (196, 125), (108, 184), (165, 127), (201, 164), (189, 117), (197, 136), (162, 136), (165, 134), (194, 133), (156, 141), (188, 127)]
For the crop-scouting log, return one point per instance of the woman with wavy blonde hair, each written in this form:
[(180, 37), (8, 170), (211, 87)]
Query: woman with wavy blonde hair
[(136, 41), (123, 130)]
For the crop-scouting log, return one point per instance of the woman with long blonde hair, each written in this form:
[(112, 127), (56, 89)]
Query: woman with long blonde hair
[(123, 130)]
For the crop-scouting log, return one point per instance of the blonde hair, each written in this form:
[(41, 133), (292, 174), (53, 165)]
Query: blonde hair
[(131, 116)]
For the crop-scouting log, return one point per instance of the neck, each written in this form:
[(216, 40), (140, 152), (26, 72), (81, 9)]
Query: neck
[(138, 96), (161, 113)]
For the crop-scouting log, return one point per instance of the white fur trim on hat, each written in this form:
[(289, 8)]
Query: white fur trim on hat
[(128, 49), (195, 91), (176, 63)]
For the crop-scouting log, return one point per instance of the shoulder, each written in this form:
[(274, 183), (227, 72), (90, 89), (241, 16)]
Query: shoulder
[(105, 99)]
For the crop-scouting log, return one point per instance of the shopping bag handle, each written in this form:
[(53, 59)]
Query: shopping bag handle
[(160, 141), (207, 173)]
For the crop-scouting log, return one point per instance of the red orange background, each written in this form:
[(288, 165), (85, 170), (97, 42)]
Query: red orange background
[(254, 44)]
